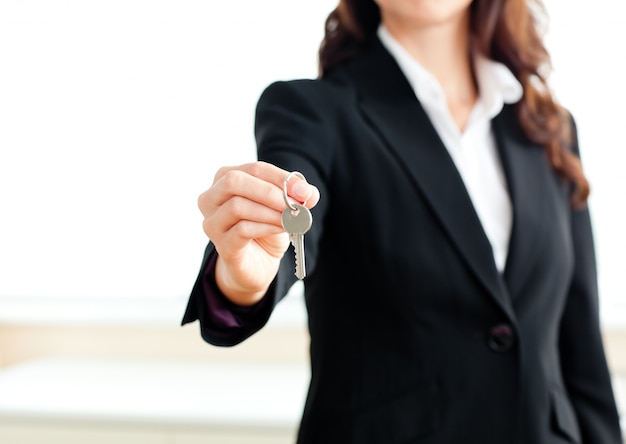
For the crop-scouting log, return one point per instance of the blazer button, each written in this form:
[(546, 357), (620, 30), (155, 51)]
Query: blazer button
[(501, 338)]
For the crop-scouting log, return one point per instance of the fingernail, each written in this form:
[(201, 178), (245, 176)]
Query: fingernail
[(301, 191)]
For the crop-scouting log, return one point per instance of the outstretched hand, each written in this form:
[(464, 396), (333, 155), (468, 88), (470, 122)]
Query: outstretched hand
[(242, 217)]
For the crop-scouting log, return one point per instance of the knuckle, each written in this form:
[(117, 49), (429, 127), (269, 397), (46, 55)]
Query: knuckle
[(231, 179), (207, 227), (236, 207), (239, 229), (256, 168), (202, 200), (221, 172)]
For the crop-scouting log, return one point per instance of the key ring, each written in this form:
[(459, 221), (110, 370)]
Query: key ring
[(289, 176)]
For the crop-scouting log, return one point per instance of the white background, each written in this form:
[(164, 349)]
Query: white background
[(115, 114)]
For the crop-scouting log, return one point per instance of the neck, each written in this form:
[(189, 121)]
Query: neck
[(443, 49)]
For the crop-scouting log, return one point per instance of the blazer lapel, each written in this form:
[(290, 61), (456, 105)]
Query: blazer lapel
[(523, 163), (389, 103)]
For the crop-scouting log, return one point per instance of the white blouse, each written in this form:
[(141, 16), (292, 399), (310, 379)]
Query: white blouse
[(474, 150)]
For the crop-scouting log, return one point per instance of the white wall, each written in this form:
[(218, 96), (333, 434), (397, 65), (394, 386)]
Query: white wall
[(114, 116)]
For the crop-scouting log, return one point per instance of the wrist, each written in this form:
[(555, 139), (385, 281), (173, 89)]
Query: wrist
[(233, 290)]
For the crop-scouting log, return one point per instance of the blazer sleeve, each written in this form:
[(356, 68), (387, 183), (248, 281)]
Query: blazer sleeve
[(585, 370), (291, 130)]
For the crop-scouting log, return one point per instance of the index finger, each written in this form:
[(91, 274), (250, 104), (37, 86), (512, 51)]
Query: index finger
[(297, 188)]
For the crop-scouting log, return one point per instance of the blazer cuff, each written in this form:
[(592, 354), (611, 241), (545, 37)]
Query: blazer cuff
[(223, 322)]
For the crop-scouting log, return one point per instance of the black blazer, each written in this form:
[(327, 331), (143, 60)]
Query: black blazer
[(415, 335)]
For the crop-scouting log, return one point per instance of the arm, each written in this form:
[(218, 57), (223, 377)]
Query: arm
[(583, 360), (585, 369), (235, 291), (242, 218)]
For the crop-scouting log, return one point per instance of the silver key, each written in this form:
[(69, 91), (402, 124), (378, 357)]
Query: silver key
[(297, 222)]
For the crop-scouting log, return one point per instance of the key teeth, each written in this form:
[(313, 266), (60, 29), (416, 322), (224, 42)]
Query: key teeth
[(299, 275), (297, 269)]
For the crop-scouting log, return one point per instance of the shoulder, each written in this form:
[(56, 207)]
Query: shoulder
[(343, 84), (324, 101), (321, 91)]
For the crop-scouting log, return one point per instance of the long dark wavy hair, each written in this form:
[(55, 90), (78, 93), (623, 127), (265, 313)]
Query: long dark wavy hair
[(507, 31)]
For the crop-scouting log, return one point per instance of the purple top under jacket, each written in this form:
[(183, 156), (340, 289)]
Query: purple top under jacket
[(222, 312)]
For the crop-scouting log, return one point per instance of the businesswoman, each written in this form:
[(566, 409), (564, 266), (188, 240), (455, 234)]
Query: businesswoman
[(451, 288)]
